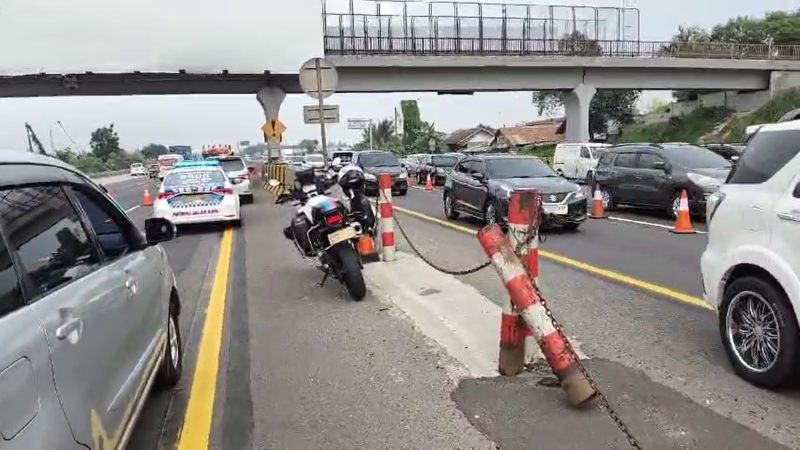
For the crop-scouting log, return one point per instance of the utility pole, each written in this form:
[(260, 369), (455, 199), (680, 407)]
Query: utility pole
[(321, 110)]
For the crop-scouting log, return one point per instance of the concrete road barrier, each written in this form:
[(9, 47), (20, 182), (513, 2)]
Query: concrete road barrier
[(280, 171)]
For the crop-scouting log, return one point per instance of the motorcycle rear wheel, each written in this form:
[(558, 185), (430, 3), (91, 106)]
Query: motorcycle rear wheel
[(350, 271)]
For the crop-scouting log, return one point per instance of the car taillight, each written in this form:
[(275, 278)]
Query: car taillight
[(164, 195), (334, 219), (223, 191)]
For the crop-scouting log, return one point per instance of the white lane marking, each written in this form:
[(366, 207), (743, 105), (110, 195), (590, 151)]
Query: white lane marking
[(649, 224), (422, 188), (132, 209)]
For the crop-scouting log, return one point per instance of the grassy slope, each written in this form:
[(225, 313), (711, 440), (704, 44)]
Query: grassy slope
[(692, 126)]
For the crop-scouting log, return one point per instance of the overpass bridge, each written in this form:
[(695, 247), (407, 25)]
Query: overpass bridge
[(377, 46)]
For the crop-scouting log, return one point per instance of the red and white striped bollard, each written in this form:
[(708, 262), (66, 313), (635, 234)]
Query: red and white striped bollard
[(524, 215), (387, 220), (527, 302)]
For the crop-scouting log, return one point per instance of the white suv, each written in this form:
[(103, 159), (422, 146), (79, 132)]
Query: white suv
[(239, 174), (751, 266)]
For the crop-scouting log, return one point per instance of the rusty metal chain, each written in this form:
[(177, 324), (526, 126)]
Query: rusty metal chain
[(437, 267), (424, 258), (602, 401)]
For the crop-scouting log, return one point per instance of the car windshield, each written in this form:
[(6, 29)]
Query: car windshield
[(297, 159), (232, 165), (314, 158), (444, 161), (136, 166), (379, 160), (186, 178), (693, 157), (519, 168)]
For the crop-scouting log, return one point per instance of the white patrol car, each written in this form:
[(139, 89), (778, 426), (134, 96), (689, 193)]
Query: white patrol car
[(197, 192)]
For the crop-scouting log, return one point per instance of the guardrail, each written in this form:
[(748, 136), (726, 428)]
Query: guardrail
[(108, 173), (369, 45)]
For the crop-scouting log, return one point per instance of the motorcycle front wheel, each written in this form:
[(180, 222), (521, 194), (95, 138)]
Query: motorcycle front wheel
[(350, 271)]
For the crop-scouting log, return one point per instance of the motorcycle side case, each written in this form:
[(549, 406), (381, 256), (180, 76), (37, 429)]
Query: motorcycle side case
[(300, 228)]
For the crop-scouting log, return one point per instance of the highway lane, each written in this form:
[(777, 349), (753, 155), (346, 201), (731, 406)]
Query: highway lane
[(647, 253)]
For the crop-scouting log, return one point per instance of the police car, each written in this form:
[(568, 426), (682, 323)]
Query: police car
[(197, 192)]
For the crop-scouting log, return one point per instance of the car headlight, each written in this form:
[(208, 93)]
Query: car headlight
[(369, 176), (402, 176), (712, 204), (577, 194), (705, 182), (439, 170)]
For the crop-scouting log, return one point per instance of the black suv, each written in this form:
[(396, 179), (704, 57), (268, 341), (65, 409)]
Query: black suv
[(480, 186), (653, 176), (438, 166), (375, 163)]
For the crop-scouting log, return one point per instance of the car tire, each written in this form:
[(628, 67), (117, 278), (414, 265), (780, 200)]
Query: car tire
[(247, 199), (403, 192), (772, 302), (571, 226), (171, 368), (674, 204), (449, 206), (589, 178), (489, 212), (608, 199), (236, 223)]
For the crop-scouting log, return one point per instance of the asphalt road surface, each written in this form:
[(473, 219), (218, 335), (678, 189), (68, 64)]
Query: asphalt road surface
[(305, 367)]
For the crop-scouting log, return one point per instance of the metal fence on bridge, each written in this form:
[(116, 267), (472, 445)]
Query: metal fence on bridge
[(361, 27)]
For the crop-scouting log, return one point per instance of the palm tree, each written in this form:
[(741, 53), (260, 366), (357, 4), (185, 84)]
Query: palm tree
[(383, 135)]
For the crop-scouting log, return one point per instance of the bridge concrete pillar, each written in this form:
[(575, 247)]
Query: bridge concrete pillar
[(271, 98), (576, 106)]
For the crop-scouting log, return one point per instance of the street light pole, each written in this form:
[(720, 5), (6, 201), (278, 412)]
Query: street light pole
[(321, 112), (370, 134)]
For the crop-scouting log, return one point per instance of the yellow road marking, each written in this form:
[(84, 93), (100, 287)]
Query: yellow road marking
[(200, 411), (580, 265)]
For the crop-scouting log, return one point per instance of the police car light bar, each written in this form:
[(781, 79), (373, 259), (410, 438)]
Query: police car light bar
[(204, 163)]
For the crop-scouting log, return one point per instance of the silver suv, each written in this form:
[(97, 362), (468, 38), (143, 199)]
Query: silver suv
[(88, 310)]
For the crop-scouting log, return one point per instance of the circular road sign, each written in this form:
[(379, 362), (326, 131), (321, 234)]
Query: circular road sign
[(328, 76)]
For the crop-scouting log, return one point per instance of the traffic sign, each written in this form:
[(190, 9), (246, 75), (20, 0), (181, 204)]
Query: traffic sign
[(273, 129), (315, 84), (358, 124), (330, 113)]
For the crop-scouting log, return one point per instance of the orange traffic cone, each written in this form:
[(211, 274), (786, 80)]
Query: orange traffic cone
[(598, 212), (147, 201), (683, 224), (428, 184), (366, 248)]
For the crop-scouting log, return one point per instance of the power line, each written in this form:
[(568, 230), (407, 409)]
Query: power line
[(70, 137)]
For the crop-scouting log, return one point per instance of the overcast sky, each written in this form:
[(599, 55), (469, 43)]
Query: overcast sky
[(197, 120)]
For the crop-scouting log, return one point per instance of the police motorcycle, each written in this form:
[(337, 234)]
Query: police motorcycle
[(321, 227)]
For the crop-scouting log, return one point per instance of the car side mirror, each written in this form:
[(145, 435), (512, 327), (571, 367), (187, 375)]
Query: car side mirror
[(477, 176), (662, 165), (251, 170), (796, 192), (236, 181), (159, 229)]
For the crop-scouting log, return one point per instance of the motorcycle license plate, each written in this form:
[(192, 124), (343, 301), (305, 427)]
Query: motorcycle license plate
[(341, 235)]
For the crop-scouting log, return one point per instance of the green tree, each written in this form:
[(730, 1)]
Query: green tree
[(309, 145), (151, 151), (412, 123), (383, 137), (90, 163), (66, 155), (105, 142), (615, 106)]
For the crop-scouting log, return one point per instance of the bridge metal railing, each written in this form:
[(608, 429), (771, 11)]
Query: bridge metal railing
[(367, 45), (445, 35)]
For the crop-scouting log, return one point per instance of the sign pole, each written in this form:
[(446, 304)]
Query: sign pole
[(321, 110), (370, 134)]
